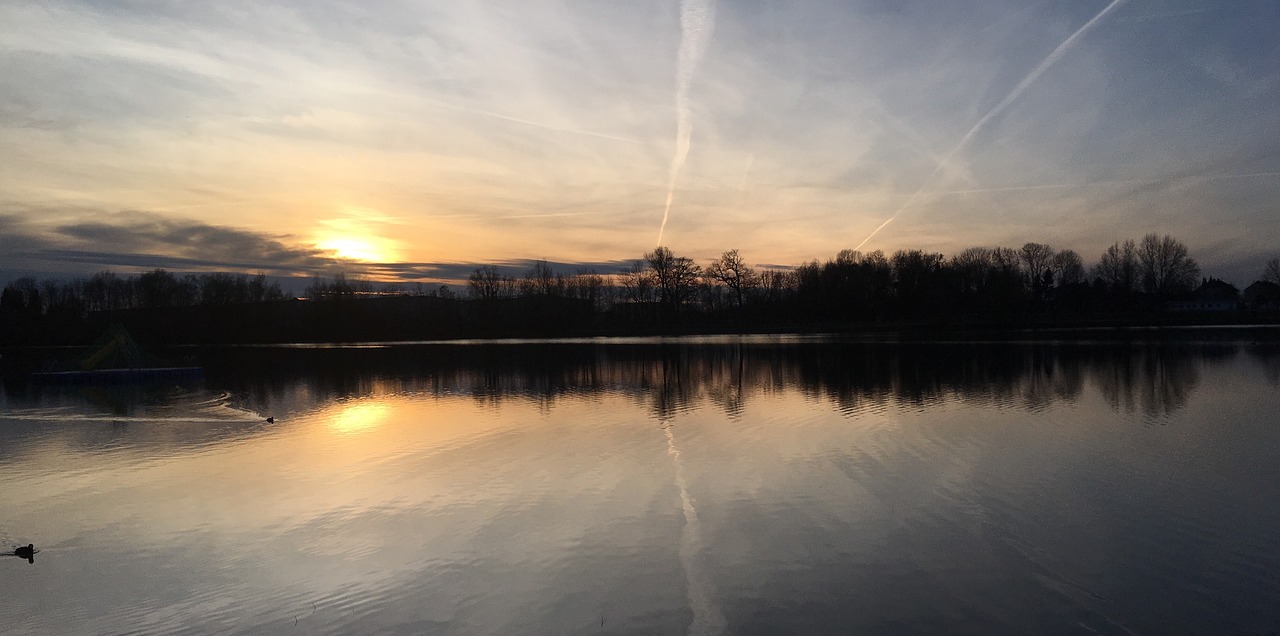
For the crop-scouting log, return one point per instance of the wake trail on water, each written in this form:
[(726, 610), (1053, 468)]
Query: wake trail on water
[(708, 618), (194, 408)]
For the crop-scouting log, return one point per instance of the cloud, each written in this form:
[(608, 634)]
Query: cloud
[(137, 240), (143, 241)]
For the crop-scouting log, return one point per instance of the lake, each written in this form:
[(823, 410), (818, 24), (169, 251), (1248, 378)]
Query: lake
[(725, 485)]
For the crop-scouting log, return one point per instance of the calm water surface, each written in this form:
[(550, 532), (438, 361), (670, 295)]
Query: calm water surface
[(695, 486)]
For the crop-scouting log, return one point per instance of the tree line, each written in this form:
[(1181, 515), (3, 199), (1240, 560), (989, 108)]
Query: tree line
[(106, 291), (56, 306), (978, 282), (661, 292)]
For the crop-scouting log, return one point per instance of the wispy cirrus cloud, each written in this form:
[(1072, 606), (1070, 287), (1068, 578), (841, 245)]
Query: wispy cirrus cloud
[(513, 130)]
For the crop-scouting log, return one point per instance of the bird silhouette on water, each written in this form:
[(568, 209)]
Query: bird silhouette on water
[(27, 552)]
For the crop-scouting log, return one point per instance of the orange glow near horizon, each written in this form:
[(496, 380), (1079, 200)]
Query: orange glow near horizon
[(351, 239)]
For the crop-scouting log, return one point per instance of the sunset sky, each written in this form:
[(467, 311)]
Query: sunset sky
[(416, 140)]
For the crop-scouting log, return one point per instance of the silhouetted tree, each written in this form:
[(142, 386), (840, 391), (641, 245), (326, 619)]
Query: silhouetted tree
[(1118, 268), (809, 292), (64, 299), (1166, 265), (106, 291), (1068, 267), (1037, 259), (1006, 291), (21, 312), (916, 280), (675, 277), (987, 280), (590, 288), (857, 286), (159, 288), (541, 281), (637, 283), (485, 283), (341, 287), (22, 298), (260, 290), (972, 267), (777, 285), (11, 301), (1271, 273), (222, 289), (735, 275)]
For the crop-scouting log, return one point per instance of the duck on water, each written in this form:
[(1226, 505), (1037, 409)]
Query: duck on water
[(27, 552)]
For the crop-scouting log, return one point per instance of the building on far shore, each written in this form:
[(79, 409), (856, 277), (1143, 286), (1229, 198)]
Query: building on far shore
[(1262, 296), (1212, 295)]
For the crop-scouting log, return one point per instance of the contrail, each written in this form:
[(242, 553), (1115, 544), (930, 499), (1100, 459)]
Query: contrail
[(881, 227), (1017, 91), (697, 19)]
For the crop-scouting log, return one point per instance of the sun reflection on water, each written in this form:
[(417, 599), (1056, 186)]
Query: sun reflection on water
[(359, 417)]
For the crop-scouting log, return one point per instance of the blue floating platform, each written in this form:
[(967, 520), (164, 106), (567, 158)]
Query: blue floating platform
[(117, 376)]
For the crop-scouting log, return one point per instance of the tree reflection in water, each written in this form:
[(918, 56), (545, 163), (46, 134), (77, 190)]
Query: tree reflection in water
[(671, 376)]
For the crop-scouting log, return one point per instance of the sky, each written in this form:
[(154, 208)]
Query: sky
[(417, 140)]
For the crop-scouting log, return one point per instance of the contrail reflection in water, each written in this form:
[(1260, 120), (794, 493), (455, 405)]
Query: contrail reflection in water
[(707, 616)]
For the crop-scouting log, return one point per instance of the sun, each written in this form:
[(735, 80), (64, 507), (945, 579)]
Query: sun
[(368, 249), (352, 249), (352, 237)]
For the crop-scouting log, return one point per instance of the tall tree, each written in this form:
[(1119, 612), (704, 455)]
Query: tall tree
[(734, 274), (22, 297), (542, 281), (777, 285), (588, 286), (262, 290), (1036, 260), (915, 279), (159, 288), (1271, 273), (637, 283), (341, 287), (676, 277), (485, 283), (1068, 267), (1166, 265), (1118, 267)]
